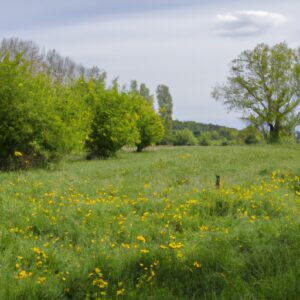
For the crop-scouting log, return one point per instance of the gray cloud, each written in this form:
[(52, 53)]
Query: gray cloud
[(247, 22), (31, 13)]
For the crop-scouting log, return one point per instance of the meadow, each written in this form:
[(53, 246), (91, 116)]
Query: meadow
[(153, 225)]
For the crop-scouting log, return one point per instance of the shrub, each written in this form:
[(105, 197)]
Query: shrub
[(113, 124), (204, 139), (250, 135), (35, 127), (149, 124), (185, 137)]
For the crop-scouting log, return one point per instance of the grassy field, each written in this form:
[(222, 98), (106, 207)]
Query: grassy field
[(153, 226)]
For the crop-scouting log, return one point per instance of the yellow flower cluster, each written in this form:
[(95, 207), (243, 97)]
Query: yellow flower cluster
[(98, 279), (115, 227)]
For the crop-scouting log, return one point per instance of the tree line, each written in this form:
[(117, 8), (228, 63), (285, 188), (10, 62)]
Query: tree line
[(51, 106)]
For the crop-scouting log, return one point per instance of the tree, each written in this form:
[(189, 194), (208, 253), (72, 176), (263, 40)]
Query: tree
[(30, 52), (185, 137), (142, 90), (250, 135), (113, 124), (205, 138), (37, 118), (145, 93), (264, 84), (134, 86), (148, 123), (165, 104)]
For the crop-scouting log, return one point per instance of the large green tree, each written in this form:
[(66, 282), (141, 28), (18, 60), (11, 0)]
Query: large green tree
[(264, 83), (113, 123), (149, 124), (165, 104)]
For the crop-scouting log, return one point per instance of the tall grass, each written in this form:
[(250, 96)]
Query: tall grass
[(152, 225)]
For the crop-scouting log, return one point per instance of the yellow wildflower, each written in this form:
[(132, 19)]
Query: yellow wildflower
[(18, 154), (98, 271), (120, 292), (176, 245), (145, 251), (23, 274), (141, 239), (41, 280), (203, 228)]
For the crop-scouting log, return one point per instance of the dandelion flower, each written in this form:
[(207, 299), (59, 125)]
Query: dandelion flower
[(141, 239)]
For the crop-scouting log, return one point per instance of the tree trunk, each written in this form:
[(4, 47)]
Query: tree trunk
[(139, 148), (274, 133)]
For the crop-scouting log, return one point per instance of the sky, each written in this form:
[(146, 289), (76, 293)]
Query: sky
[(185, 44)]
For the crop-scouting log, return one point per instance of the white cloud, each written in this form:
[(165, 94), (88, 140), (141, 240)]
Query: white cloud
[(247, 22)]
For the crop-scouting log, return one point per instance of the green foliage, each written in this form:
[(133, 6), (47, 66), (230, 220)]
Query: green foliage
[(63, 231), (149, 125), (145, 93), (165, 104), (250, 135), (113, 124), (197, 128), (208, 133), (264, 85), (36, 122), (204, 139), (50, 106), (185, 137)]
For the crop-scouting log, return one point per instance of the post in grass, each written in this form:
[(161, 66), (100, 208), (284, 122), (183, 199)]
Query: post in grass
[(218, 181)]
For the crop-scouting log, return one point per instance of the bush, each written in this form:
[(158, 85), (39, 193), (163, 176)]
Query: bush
[(149, 124), (250, 135), (35, 127), (113, 124), (204, 139), (185, 137)]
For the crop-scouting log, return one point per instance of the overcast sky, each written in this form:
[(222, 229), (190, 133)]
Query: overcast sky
[(186, 44)]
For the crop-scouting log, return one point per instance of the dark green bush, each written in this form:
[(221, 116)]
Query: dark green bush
[(185, 137)]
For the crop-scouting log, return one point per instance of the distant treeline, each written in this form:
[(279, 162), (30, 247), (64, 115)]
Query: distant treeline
[(205, 134), (194, 133)]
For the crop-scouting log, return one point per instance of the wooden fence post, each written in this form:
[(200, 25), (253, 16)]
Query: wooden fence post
[(218, 181)]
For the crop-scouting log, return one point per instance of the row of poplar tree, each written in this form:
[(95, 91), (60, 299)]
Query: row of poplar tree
[(50, 106)]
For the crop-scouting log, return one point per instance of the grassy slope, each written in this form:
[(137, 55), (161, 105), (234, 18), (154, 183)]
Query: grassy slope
[(88, 214)]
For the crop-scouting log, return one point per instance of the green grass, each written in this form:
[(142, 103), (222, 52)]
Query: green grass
[(77, 232)]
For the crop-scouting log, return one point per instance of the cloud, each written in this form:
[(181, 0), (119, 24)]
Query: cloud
[(247, 22), (33, 13)]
